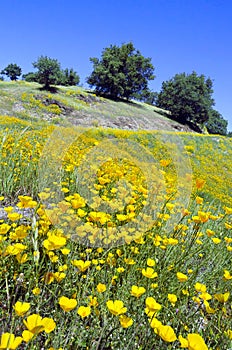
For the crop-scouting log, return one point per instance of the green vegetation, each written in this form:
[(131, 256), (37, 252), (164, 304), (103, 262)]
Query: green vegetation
[(216, 124), (118, 260), (69, 78), (49, 71), (121, 72), (187, 97), (75, 105), (13, 71), (113, 239)]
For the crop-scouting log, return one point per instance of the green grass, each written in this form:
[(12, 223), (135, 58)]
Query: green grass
[(102, 112)]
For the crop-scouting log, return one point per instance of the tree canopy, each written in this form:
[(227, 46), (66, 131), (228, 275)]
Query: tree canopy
[(49, 71), (121, 72), (30, 77), (69, 77), (187, 97), (13, 71), (216, 124)]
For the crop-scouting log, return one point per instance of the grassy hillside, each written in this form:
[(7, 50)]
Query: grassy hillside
[(79, 107), (110, 238)]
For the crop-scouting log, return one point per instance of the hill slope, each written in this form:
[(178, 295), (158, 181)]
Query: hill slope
[(74, 105)]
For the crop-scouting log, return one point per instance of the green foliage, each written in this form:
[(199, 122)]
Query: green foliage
[(13, 71), (187, 97), (30, 77), (148, 96), (49, 71), (69, 77), (121, 72), (216, 123)]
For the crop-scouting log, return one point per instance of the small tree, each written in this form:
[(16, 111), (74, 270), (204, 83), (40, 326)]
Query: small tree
[(13, 71), (49, 71), (30, 77), (69, 77), (187, 97), (216, 123), (121, 72)]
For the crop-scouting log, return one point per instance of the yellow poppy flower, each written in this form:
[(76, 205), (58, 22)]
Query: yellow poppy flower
[(149, 272), (9, 341), (84, 311), (67, 304), (21, 308), (125, 321), (181, 277), (167, 333), (116, 307), (137, 291)]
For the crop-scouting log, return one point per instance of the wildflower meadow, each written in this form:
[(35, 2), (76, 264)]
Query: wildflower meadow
[(113, 239)]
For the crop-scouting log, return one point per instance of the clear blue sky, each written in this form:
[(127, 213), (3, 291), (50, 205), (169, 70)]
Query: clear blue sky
[(179, 36)]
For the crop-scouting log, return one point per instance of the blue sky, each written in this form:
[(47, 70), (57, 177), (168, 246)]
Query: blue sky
[(178, 35)]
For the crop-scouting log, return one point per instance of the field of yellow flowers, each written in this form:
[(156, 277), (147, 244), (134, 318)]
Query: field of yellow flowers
[(111, 239)]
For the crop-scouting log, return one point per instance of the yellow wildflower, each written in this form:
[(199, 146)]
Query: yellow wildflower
[(181, 277), (9, 341), (14, 216), (200, 287), (199, 200), (137, 291), (208, 308), (116, 307), (149, 272), (172, 298), (67, 304), (15, 249), (205, 296), (125, 321), (101, 287), (150, 262), (48, 324), (183, 342), (34, 323), (227, 276), (4, 228), (222, 298), (228, 210), (54, 242), (27, 335), (84, 311), (196, 342), (36, 291), (155, 323), (216, 240), (167, 333), (229, 333), (81, 264), (21, 308), (152, 305)]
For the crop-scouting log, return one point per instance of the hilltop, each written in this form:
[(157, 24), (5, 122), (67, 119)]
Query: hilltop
[(78, 106)]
